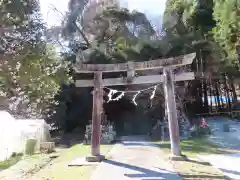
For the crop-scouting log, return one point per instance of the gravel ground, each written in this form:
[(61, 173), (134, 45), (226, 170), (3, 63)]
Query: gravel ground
[(230, 140), (227, 163)]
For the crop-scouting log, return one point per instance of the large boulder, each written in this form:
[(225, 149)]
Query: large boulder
[(14, 134)]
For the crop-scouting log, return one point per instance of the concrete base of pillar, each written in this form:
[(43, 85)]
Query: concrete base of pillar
[(97, 158), (87, 161), (178, 158)]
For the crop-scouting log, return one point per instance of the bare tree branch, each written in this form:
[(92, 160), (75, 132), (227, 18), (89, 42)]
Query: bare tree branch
[(82, 34)]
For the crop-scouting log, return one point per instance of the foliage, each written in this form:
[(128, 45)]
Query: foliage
[(104, 33), (30, 71), (115, 34), (10, 162), (203, 15), (192, 147), (226, 32), (215, 24), (73, 108), (218, 21)]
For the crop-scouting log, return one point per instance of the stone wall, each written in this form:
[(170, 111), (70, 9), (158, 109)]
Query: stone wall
[(14, 134)]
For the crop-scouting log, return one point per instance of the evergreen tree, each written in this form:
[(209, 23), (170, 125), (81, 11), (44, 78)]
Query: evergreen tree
[(30, 71), (227, 30)]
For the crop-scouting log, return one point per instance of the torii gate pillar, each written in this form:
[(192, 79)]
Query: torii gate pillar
[(96, 119), (171, 111), (172, 114)]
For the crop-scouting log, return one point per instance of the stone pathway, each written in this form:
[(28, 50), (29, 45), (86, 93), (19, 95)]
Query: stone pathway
[(134, 158)]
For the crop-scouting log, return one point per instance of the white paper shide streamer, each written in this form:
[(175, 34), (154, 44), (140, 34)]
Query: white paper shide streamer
[(113, 92), (134, 97), (154, 92)]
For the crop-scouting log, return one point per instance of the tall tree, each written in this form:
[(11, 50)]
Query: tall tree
[(227, 33), (30, 71)]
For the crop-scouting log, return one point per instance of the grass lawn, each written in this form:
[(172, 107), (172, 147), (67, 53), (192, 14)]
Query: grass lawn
[(194, 168), (58, 169), (10, 162), (193, 147)]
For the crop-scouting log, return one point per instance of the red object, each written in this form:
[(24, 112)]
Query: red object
[(204, 124)]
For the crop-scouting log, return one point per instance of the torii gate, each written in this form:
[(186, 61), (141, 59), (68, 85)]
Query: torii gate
[(167, 78)]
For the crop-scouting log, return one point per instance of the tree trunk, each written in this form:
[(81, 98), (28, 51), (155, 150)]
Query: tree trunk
[(217, 95), (205, 96), (200, 96), (234, 94), (227, 93), (210, 94)]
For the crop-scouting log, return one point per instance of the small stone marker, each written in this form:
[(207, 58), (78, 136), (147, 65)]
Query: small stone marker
[(226, 128), (47, 147), (30, 146)]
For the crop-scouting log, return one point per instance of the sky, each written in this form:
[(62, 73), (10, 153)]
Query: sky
[(51, 17), (150, 7)]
